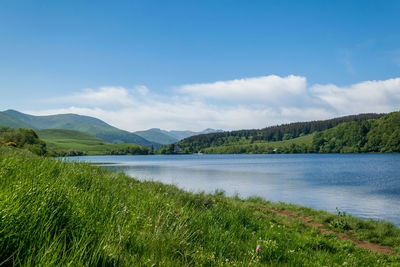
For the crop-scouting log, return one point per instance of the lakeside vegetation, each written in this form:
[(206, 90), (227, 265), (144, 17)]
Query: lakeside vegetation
[(351, 134), (74, 143), (57, 142), (75, 122), (58, 213)]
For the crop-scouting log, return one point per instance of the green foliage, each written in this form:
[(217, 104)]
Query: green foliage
[(358, 134), (380, 135), (238, 141), (74, 143), (58, 213), (12, 122), (385, 134), (23, 138), (81, 123), (296, 145), (340, 222)]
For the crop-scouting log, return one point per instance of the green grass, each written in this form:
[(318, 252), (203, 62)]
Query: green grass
[(80, 123), (61, 141), (7, 120), (58, 213), (260, 147)]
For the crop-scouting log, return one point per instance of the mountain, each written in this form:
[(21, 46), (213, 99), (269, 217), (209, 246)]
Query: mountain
[(158, 136), (185, 134), (169, 137), (81, 123), (10, 121)]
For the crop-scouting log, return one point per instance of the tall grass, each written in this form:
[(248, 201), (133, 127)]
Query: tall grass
[(58, 213)]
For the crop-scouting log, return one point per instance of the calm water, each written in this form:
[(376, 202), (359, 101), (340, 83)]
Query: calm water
[(364, 185)]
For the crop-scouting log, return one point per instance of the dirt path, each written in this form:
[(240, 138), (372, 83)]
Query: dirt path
[(310, 222)]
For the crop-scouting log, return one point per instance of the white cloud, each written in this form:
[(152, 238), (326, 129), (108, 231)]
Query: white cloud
[(237, 104), (104, 96), (266, 90), (368, 96), (142, 89)]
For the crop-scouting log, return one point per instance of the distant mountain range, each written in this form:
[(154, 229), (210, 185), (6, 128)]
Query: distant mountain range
[(152, 137), (169, 137)]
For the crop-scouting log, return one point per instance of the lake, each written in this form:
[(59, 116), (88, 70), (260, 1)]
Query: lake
[(363, 185)]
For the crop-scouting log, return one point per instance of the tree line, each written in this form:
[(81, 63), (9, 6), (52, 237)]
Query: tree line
[(268, 134)]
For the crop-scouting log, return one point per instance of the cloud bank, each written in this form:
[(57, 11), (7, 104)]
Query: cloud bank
[(236, 104)]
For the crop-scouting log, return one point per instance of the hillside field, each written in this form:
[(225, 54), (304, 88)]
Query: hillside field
[(69, 142)]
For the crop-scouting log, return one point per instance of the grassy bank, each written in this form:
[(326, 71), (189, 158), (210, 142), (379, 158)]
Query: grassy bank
[(57, 213)]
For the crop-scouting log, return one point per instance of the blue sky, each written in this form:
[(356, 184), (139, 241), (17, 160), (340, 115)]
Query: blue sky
[(197, 64)]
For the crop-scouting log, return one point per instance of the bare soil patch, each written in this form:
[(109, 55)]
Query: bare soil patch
[(310, 222)]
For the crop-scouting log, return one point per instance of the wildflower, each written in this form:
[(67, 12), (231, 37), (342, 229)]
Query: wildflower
[(258, 248)]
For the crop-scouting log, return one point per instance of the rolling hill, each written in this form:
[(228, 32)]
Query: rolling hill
[(10, 121), (169, 137), (185, 134), (158, 136), (62, 142), (81, 123), (299, 137)]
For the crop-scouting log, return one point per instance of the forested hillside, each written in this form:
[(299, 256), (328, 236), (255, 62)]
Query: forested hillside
[(381, 135), (269, 134)]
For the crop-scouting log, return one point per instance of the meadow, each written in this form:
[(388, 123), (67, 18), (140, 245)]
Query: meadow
[(58, 213), (296, 145), (60, 142)]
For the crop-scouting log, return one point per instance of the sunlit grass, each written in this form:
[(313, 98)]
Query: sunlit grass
[(58, 213)]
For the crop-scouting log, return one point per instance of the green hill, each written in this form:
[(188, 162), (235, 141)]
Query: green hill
[(351, 134), (169, 137), (69, 142), (56, 134), (54, 213), (10, 121), (157, 136), (185, 134), (81, 123), (296, 145), (380, 135)]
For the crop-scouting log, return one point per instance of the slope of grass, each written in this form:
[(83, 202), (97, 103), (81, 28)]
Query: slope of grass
[(260, 147), (58, 213), (56, 134), (69, 142), (10, 121), (158, 136), (81, 123)]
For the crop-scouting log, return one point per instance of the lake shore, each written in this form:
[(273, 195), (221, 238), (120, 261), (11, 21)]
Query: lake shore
[(55, 212), (364, 185)]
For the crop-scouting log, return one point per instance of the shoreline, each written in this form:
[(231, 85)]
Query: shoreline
[(67, 208)]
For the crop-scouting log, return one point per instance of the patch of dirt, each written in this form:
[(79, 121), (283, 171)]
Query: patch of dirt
[(310, 222)]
